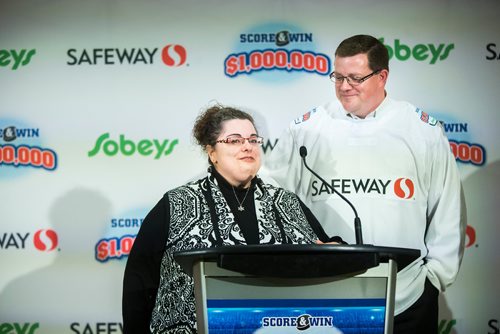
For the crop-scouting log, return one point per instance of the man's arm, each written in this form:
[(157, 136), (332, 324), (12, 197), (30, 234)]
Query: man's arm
[(446, 218)]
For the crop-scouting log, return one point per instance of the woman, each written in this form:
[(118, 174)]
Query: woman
[(230, 206)]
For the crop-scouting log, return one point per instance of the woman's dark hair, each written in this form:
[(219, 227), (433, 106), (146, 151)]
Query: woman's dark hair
[(378, 56), (208, 124)]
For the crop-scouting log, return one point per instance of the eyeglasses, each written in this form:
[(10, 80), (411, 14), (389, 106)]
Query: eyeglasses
[(236, 140), (338, 79)]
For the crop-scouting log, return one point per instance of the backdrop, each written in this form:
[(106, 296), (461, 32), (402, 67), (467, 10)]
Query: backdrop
[(97, 102)]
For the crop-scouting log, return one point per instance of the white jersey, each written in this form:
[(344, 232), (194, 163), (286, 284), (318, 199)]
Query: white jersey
[(398, 171)]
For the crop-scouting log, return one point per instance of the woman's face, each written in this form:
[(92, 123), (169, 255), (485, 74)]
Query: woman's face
[(237, 163)]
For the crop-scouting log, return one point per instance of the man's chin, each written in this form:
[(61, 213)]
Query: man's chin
[(350, 107)]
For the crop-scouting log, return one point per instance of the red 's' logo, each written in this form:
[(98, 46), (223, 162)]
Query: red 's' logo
[(404, 189), (470, 232), (174, 55), (45, 240)]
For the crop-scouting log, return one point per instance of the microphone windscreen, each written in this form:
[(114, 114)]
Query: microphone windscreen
[(303, 151)]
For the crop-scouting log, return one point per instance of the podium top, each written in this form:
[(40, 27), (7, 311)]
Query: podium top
[(297, 261)]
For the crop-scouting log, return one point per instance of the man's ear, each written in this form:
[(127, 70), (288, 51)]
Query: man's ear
[(384, 74)]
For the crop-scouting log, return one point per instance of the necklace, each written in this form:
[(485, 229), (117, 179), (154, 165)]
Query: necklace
[(240, 204)]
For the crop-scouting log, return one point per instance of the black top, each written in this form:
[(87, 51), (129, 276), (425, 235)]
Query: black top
[(246, 219), (142, 276)]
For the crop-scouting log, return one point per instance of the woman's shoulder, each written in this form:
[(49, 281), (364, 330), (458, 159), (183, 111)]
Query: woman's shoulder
[(277, 189), (187, 187)]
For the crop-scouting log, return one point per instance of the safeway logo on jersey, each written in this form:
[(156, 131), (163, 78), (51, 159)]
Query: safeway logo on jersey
[(397, 188), (404, 188)]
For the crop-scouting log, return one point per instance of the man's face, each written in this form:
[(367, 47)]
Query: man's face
[(364, 98)]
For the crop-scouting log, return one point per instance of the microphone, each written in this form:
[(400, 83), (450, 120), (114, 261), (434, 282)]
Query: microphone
[(357, 221)]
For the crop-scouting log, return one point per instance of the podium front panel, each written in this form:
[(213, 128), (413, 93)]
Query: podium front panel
[(231, 302)]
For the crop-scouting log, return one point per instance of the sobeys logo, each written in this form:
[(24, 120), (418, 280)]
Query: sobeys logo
[(26, 328), (421, 52), (15, 58), (127, 147)]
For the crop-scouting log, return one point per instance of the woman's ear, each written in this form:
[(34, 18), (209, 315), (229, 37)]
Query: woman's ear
[(211, 154)]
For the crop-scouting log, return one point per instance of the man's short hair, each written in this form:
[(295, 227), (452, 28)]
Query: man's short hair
[(378, 56)]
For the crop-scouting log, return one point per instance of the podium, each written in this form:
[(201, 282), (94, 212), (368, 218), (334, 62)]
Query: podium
[(295, 288)]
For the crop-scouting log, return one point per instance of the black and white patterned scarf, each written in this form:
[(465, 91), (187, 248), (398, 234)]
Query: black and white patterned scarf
[(201, 218)]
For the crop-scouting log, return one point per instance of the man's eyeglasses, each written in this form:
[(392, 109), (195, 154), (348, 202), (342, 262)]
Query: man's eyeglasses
[(235, 140), (353, 81)]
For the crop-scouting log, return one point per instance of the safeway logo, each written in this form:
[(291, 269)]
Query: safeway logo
[(470, 233), (174, 55), (404, 188), (399, 188), (45, 240)]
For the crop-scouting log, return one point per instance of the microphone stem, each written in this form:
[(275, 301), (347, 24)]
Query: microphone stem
[(357, 220), (333, 189)]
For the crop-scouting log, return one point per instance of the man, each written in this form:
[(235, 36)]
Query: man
[(394, 163)]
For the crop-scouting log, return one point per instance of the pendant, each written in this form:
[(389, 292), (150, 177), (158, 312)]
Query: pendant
[(241, 208)]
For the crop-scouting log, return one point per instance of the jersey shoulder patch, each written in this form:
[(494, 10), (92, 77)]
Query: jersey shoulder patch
[(426, 118), (305, 117)]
